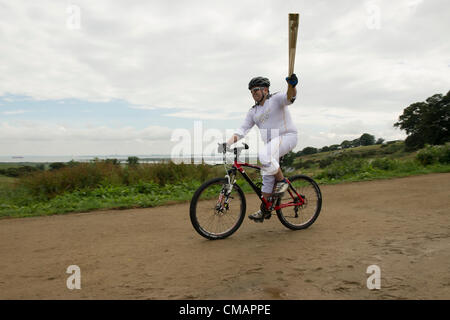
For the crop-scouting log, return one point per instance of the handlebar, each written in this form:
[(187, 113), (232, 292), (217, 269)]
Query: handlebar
[(237, 149)]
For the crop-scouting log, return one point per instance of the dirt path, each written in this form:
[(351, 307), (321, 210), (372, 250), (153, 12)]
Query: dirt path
[(401, 225)]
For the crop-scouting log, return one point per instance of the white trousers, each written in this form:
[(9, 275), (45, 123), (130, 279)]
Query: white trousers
[(269, 156)]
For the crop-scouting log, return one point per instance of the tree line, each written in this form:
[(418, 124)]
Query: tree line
[(425, 122), (366, 139)]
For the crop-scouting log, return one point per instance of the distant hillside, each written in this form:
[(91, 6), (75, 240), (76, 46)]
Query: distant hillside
[(394, 149)]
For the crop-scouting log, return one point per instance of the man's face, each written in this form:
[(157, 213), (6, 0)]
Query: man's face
[(258, 92)]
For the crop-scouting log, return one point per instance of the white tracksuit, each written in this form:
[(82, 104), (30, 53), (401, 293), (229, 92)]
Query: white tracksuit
[(277, 132)]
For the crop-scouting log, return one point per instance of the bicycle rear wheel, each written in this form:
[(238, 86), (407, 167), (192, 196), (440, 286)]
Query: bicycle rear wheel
[(214, 213), (300, 216)]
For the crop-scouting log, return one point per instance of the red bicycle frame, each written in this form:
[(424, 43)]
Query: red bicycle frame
[(292, 192)]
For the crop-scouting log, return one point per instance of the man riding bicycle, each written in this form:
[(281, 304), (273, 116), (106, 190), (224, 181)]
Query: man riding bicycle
[(271, 115)]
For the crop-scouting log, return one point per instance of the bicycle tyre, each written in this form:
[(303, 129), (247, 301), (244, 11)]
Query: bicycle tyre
[(194, 214), (313, 196)]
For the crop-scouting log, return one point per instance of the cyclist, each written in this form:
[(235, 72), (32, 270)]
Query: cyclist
[(271, 115)]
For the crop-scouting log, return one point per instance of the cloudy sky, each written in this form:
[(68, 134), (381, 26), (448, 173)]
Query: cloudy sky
[(123, 77)]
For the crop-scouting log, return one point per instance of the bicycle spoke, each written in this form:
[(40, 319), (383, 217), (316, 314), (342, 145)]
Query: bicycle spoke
[(212, 221), (300, 216)]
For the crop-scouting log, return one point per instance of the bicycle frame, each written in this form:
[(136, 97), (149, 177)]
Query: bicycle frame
[(238, 166)]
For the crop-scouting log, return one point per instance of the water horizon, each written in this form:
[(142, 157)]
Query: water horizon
[(152, 158)]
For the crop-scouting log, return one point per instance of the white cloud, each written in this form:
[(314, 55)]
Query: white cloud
[(197, 57), (13, 112), (35, 131), (143, 107), (206, 115), (37, 137)]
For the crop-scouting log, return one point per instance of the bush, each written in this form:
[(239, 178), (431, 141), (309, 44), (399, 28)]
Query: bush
[(304, 164), (48, 184), (12, 172), (414, 142), (309, 150), (57, 165), (288, 159), (434, 154), (326, 162), (51, 183), (342, 168), (393, 147), (132, 161), (368, 153), (385, 164), (72, 163), (15, 172), (113, 161)]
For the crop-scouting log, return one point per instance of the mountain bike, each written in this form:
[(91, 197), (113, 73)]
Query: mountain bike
[(218, 206)]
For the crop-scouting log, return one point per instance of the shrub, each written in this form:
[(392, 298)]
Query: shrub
[(434, 154), (18, 171), (369, 153), (384, 164), (342, 168), (48, 184), (113, 161), (393, 147), (132, 161), (72, 163), (12, 172), (326, 162), (57, 165), (304, 164)]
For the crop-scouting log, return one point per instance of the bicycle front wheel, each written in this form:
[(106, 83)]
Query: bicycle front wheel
[(214, 213), (300, 216)]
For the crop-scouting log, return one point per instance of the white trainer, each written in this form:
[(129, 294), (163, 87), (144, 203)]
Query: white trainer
[(281, 187), (258, 216)]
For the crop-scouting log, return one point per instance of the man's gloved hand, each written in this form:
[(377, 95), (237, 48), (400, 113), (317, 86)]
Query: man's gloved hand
[(292, 80), (222, 148)]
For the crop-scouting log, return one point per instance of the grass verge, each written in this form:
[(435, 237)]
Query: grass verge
[(105, 186)]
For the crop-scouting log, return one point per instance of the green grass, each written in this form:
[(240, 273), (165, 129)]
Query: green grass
[(7, 181), (375, 162), (19, 203), (106, 197), (394, 151), (6, 165), (101, 185)]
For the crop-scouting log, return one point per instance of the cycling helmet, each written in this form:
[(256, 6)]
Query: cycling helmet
[(259, 82)]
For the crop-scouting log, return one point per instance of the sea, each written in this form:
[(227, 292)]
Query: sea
[(154, 158)]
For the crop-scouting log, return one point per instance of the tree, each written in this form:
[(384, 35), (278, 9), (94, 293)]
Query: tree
[(309, 150), (346, 144), (426, 122), (379, 141), (334, 147), (355, 143), (367, 139), (113, 161), (288, 159), (57, 165), (132, 161)]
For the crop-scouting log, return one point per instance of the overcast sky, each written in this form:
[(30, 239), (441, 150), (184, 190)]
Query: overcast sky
[(119, 77)]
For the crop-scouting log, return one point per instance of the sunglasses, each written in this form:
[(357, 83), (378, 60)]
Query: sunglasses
[(253, 90)]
